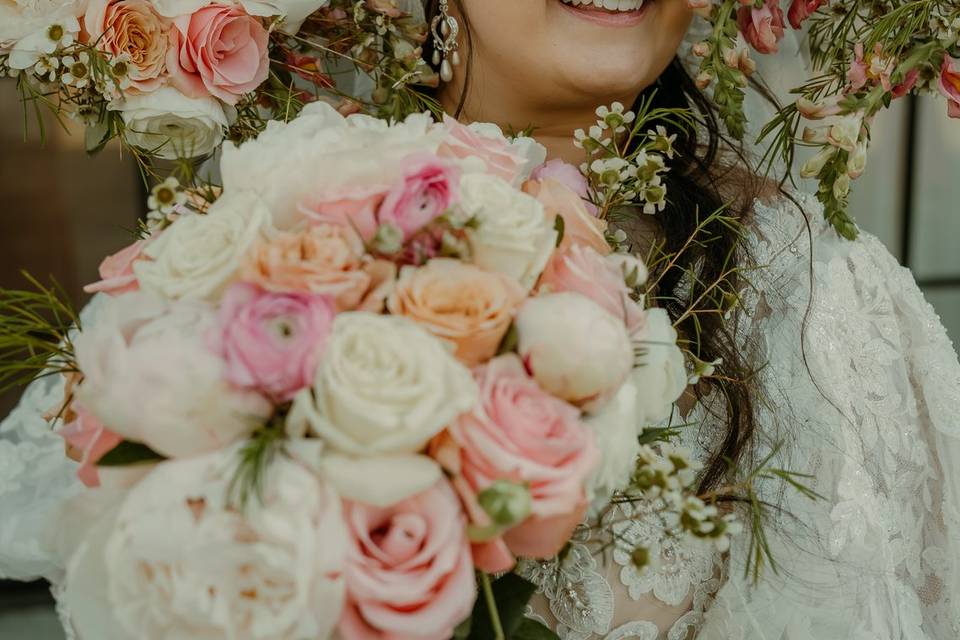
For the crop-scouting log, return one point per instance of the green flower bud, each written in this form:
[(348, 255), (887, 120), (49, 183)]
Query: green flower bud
[(507, 503)]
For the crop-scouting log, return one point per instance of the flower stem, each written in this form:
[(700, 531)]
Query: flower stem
[(492, 606)]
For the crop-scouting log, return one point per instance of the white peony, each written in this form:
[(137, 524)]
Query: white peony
[(616, 429), (313, 156), (294, 12), (199, 255), (149, 377), (661, 374), (172, 125), (514, 235), (177, 561), (385, 387), (575, 349)]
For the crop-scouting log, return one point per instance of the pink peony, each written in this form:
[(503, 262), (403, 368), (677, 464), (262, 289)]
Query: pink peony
[(521, 434), (116, 271), (430, 185), (950, 85), (272, 342), (409, 574), (800, 10), (135, 29), (763, 27), (463, 142), (219, 50), (86, 435)]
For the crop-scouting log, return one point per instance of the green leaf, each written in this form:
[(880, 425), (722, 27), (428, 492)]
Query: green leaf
[(533, 630), (560, 226), (509, 342), (462, 632), (511, 594), (128, 453)]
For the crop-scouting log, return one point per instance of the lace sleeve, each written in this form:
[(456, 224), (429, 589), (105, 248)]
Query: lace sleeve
[(36, 478), (869, 407)]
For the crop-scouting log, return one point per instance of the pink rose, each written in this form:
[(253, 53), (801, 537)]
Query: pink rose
[(409, 574), (601, 278), (272, 342), (430, 185), (950, 85), (800, 10), (116, 271), (520, 433), (219, 50), (579, 225), (463, 142), (135, 29), (358, 211), (92, 440), (763, 27), (569, 176)]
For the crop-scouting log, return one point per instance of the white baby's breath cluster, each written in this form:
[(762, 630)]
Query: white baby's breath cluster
[(624, 164)]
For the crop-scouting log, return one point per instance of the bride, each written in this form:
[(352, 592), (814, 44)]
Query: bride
[(833, 363)]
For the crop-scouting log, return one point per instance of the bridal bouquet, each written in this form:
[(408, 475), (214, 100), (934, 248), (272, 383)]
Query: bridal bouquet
[(865, 55), (388, 361), (173, 78)]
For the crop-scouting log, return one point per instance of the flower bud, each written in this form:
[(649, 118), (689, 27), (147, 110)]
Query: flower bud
[(507, 503)]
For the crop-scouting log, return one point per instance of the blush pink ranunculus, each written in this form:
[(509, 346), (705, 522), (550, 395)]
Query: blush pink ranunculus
[(135, 29), (520, 433), (116, 271), (800, 10), (495, 152), (950, 85), (92, 440), (409, 573), (582, 270), (579, 225), (218, 50), (272, 342), (763, 27), (428, 188)]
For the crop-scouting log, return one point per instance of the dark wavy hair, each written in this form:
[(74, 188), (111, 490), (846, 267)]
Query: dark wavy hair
[(708, 274)]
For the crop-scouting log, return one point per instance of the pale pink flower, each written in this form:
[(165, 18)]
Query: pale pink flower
[(219, 50), (579, 225), (950, 85), (520, 433), (272, 342), (116, 271), (871, 68), (569, 176), (495, 152), (135, 29), (88, 436), (800, 10), (763, 27), (428, 188), (409, 574)]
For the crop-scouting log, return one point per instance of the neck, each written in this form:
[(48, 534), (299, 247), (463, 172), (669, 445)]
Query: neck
[(550, 123)]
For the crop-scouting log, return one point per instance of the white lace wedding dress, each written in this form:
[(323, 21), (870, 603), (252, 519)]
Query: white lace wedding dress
[(870, 409)]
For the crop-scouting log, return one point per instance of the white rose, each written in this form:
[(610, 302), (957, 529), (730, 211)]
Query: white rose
[(316, 154), (616, 430), (661, 375), (199, 255), (575, 349), (149, 377), (172, 125), (177, 561), (294, 12), (384, 388), (514, 235)]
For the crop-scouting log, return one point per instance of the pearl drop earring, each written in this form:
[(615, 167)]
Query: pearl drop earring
[(445, 30)]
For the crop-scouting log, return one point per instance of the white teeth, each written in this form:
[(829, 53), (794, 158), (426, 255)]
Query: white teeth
[(609, 5)]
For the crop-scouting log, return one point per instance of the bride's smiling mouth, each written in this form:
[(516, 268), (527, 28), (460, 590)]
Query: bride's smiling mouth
[(614, 13)]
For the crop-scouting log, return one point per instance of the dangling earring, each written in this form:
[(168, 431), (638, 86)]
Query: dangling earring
[(445, 29)]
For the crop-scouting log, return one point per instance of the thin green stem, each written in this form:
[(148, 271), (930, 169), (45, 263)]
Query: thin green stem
[(492, 606)]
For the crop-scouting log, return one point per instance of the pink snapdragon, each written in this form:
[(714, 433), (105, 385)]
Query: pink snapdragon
[(800, 10), (763, 28), (272, 342), (950, 85)]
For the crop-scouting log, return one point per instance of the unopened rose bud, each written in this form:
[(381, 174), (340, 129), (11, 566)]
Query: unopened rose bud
[(507, 503)]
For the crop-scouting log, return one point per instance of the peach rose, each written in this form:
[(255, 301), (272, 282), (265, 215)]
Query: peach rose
[(325, 259), (461, 303), (579, 226), (135, 29), (116, 271), (521, 434), (218, 50)]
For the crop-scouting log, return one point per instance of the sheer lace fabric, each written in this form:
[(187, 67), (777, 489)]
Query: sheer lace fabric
[(869, 407)]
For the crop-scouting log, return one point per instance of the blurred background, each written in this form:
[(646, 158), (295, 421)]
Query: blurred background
[(61, 212)]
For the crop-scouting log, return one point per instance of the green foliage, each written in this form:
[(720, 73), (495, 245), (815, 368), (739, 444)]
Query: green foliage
[(256, 455), (499, 612), (129, 453)]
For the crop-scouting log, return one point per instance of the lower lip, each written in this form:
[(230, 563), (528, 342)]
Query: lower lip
[(608, 18)]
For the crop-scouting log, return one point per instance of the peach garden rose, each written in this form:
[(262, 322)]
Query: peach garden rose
[(134, 29)]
